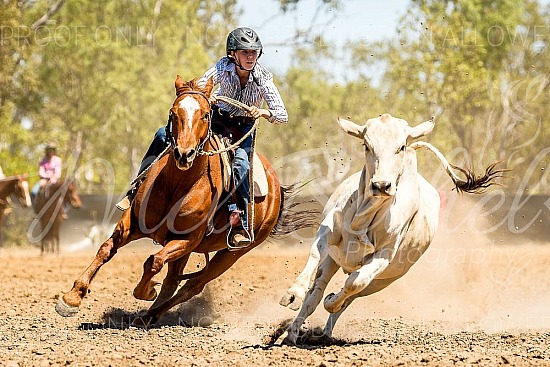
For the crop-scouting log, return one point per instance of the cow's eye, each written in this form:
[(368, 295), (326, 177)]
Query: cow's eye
[(366, 147)]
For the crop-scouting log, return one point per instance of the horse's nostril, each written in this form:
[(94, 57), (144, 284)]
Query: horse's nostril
[(191, 153)]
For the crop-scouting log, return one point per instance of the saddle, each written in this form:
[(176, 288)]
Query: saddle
[(258, 173), (260, 184)]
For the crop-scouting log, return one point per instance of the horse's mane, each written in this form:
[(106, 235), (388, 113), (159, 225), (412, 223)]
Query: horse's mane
[(188, 86), (193, 85), (61, 182)]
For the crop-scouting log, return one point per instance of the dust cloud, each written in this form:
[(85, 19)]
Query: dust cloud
[(467, 280)]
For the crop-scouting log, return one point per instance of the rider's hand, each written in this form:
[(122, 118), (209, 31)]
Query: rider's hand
[(256, 112)]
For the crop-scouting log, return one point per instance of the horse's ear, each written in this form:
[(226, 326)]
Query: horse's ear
[(208, 87), (178, 84)]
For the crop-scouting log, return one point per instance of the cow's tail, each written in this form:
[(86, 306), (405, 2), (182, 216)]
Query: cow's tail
[(473, 183), (295, 214)]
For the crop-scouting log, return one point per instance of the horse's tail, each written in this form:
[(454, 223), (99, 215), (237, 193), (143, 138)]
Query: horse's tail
[(291, 218)]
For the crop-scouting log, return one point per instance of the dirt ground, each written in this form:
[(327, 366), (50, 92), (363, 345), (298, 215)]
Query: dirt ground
[(469, 301)]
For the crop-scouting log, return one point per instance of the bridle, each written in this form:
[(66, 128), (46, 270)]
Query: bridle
[(200, 146), (169, 124)]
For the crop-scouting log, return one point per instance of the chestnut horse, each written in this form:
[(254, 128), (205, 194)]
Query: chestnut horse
[(17, 186), (49, 209), (179, 197)]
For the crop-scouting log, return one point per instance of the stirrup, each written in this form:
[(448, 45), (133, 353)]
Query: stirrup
[(238, 239)]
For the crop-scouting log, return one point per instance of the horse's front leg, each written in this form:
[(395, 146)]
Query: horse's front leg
[(69, 304), (172, 251), (172, 280), (222, 261)]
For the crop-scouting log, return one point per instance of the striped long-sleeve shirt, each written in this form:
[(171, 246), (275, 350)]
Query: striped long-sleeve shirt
[(259, 87)]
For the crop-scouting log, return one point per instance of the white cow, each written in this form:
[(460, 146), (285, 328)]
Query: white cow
[(377, 223)]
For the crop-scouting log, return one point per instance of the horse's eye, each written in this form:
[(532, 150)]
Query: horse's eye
[(401, 149), (366, 147), (206, 116)]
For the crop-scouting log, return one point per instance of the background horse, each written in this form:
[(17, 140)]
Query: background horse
[(49, 208), (17, 186), (180, 196)]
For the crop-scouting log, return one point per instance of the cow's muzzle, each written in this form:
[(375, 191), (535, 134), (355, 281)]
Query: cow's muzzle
[(381, 188)]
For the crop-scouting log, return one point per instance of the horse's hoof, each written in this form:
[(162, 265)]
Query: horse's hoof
[(144, 321), (151, 293), (64, 309), (151, 296)]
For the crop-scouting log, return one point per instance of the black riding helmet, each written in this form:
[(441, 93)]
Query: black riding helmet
[(243, 38)]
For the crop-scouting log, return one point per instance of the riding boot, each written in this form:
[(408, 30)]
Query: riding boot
[(238, 236), (126, 201)]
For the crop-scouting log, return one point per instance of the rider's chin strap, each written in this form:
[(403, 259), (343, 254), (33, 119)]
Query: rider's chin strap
[(232, 59)]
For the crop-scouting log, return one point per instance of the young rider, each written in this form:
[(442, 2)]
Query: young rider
[(242, 78)]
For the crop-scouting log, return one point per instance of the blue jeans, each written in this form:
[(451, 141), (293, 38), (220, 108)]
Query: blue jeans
[(34, 193), (159, 143), (241, 168)]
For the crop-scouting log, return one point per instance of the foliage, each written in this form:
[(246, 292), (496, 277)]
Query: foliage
[(289, 5), (477, 65), (104, 75)]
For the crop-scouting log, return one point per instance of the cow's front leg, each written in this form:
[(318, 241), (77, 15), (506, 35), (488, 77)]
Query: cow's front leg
[(375, 286), (357, 281), (296, 293), (325, 272)]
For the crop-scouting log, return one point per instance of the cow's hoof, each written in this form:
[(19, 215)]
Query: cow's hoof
[(291, 300), (331, 303), (290, 340), (64, 309)]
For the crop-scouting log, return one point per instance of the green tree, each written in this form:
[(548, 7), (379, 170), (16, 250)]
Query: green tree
[(471, 64), (19, 88), (107, 72)]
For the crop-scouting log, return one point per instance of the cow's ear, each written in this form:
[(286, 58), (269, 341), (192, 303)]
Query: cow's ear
[(420, 130), (352, 128)]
